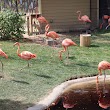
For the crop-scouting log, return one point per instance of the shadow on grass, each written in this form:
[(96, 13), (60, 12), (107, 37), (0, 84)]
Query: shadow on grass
[(86, 64), (23, 82), (44, 76), (6, 104), (72, 57), (94, 46)]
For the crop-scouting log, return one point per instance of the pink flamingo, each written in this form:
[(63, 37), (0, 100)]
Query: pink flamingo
[(108, 23), (66, 43), (104, 17), (103, 65), (42, 19), (3, 54), (51, 34), (26, 55), (83, 18)]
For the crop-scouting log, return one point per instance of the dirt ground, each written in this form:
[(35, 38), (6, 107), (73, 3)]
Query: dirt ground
[(42, 39)]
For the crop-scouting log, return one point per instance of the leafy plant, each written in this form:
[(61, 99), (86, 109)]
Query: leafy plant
[(11, 25)]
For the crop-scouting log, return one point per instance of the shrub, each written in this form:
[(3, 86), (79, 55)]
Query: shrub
[(11, 25)]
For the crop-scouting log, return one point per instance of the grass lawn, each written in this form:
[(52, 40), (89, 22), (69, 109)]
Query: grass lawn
[(23, 88)]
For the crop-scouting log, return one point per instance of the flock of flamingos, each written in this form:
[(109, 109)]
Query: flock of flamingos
[(26, 55)]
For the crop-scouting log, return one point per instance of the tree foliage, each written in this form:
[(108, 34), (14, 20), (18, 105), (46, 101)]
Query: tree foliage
[(11, 25)]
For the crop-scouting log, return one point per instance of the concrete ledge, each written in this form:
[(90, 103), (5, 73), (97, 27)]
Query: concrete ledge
[(59, 90)]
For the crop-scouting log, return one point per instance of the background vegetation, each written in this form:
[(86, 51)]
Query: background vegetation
[(11, 25)]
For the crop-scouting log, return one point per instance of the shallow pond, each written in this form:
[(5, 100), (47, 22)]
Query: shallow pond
[(84, 96)]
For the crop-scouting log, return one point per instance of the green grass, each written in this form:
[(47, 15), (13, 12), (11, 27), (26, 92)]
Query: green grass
[(23, 88)]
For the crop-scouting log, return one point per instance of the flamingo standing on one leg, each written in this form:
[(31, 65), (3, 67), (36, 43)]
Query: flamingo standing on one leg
[(26, 55), (66, 43), (83, 18), (103, 65), (4, 55), (51, 34)]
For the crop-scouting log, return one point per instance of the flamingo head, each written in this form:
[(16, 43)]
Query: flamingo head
[(108, 66), (75, 44), (78, 12), (33, 56), (17, 43)]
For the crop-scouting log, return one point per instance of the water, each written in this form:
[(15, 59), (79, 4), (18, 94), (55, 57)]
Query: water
[(85, 96)]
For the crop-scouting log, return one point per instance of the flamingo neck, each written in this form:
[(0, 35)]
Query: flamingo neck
[(6, 56), (100, 72), (79, 16), (18, 50), (60, 53), (47, 27)]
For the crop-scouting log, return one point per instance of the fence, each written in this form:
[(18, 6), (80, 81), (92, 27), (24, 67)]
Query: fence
[(19, 5)]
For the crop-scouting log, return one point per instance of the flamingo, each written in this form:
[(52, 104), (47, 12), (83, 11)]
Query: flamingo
[(26, 55), (108, 23), (103, 65), (104, 17), (3, 54), (42, 19), (66, 43), (83, 18), (51, 34)]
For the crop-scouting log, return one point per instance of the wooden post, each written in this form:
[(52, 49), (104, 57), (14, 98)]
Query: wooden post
[(27, 19), (85, 40)]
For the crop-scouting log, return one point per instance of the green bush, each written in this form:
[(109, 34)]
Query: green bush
[(11, 25)]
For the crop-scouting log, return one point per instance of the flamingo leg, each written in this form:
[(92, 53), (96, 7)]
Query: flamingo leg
[(85, 27), (2, 65), (2, 69), (28, 65), (67, 53), (107, 26)]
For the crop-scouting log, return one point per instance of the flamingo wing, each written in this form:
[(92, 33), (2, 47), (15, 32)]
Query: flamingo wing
[(85, 18), (42, 19), (27, 55), (68, 42), (53, 34)]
